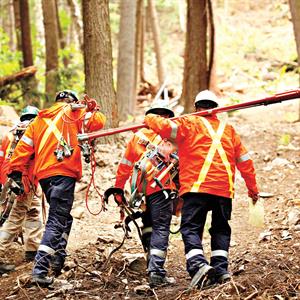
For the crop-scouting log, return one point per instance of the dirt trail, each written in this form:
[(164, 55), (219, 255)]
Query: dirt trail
[(266, 267)]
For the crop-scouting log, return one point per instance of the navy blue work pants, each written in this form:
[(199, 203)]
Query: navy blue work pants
[(156, 229), (59, 191), (194, 212)]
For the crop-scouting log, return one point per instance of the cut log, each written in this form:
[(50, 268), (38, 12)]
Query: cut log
[(18, 76)]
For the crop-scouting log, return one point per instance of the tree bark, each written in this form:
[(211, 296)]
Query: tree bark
[(140, 36), (17, 25), (76, 20), (51, 37), (156, 37), (212, 77), (98, 58), (295, 12), (195, 76), (126, 88), (26, 34)]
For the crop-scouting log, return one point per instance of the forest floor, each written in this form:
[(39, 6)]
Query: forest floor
[(264, 262)]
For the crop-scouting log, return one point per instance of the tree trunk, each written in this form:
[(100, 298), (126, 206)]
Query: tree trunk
[(11, 26), (295, 12), (26, 34), (76, 20), (195, 76), (62, 41), (126, 89), (140, 36), (51, 37), (18, 25), (212, 77), (156, 35), (29, 85), (98, 58), (38, 19)]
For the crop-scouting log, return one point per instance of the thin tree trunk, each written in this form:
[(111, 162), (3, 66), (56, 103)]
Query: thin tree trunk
[(156, 37), (11, 26), (212, 77), (62, 41), (26, 34), (17, 25), (295, 12), (29, 85), (98, 58), (126, 89), (76, 20), (195, 76), (38, 16), (51, 37), (140, 42), (138, 34)]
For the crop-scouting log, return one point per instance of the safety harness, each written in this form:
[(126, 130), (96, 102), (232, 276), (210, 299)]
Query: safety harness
[(216, 145), (158, 161)]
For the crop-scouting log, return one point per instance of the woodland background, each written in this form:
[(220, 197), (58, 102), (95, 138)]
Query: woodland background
[(122, 51)]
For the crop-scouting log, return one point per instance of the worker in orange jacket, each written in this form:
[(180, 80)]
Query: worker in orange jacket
[(209, 152), (52, 138), (157, 217), (26, 211)]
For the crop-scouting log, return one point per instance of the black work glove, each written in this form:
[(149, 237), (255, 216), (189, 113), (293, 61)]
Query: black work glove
[(118, 195), (0, 187), (17, 186)]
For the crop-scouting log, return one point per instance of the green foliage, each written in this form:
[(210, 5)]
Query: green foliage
[(9, 59), (285, 139)]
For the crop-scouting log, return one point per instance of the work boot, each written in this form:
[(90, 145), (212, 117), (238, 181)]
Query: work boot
[(205, 272), (57, 264), (156, 280), (224, 278), (42, 280), (30, 255), (6, 268)]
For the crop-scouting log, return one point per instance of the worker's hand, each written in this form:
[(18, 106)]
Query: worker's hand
[(254, 196), (148, 118), (17, 186), (0, 187), (118, 194)]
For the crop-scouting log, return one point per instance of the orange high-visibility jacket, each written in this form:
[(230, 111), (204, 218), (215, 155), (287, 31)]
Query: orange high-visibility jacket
[(4, 162), (42, 136), (28, 178), (134, 151), (209, 151)]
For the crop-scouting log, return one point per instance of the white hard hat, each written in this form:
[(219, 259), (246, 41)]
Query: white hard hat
[(160, 107), (207, 98)]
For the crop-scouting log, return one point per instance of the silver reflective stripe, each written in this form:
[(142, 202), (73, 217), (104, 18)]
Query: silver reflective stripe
[(65, 236), (193, 252), (46, 249), (33, 224), (127, 162), (27, 140), (174, 130), (219, 253), (158, 253), (146, 230), (6, 235), (1, 153), (243, 158)]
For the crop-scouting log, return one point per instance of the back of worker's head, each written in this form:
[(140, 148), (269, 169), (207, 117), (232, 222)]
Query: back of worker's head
[(160, 107), (206, 100), (28, 113), (66, 96)]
